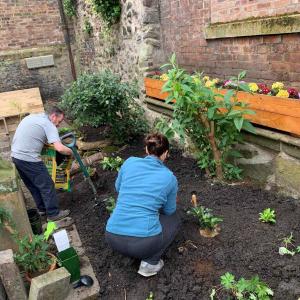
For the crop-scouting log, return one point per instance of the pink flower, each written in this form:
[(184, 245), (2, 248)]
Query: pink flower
[(262, 86), (265, 90), (293, 93)]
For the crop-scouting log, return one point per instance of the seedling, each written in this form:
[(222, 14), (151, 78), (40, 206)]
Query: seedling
[(112, 163), (110, 204), (243, 289), (205, 217), (151, 296), (268, 216), (288, 247)]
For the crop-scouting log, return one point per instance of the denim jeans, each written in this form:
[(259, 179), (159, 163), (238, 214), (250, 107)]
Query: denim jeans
[(38, 181), (149, 249)]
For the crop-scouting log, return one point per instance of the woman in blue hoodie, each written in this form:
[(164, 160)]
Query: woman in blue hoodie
[(144, 222)]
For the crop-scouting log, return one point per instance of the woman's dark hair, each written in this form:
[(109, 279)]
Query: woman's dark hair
[(156, 143)]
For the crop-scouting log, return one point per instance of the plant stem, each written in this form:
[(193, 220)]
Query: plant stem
[(210, 126)]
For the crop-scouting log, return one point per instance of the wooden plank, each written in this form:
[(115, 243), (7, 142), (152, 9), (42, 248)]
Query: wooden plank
[(283, 106), (21, 102)]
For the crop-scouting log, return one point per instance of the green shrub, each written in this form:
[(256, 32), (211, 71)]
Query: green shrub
[(110, 10), (102, 99), (212, 121)]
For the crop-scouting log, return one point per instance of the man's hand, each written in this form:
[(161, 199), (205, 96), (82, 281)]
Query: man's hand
[(58, 146)]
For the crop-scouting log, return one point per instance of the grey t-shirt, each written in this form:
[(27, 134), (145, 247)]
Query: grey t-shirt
[(32, 133)]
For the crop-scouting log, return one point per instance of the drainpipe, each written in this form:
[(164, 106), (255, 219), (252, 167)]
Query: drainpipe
[(66, 32)]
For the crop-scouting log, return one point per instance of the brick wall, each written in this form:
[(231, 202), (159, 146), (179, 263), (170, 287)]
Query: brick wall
[(29, 23), (32, 28), (231, 10), (266, 58)]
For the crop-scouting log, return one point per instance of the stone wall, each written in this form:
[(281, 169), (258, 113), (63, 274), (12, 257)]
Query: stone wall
[(128, 48), (32, 28), (267, 58), (52, 80)]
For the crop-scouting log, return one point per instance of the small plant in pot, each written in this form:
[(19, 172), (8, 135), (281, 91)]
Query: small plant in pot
[(33, 256), (209, 224)]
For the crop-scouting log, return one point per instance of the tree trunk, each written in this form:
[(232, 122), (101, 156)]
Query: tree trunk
[(211, 137)]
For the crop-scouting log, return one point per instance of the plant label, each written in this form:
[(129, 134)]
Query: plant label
[(61, 240)]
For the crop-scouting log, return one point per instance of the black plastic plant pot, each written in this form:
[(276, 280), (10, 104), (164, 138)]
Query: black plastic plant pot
[(70, 260), (35, 221)]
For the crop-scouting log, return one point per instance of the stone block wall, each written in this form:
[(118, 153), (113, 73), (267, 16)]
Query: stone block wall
[(128, 48), (52, 80), (267, 58), (32, 28)]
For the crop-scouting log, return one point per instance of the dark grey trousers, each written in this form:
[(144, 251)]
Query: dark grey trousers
[(149, 249)]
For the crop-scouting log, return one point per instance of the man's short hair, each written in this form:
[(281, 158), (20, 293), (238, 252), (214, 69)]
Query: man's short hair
[(57, 111)]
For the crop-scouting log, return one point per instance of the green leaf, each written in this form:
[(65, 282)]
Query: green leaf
[(227, 97), (227, 280), (248, 127), (234, 113), (238, 122)]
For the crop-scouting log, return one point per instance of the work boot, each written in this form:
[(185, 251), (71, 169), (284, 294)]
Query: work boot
[(62, 214), (147, 269)]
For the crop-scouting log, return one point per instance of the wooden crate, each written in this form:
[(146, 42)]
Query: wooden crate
[(273, 112)]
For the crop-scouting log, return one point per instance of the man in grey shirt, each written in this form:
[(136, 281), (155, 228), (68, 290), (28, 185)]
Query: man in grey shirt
[(33, 132)]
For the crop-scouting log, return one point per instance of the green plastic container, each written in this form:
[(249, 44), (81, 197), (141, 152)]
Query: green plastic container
[(70, 260)]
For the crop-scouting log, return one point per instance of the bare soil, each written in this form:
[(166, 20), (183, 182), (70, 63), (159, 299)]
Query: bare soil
[(245, 246)]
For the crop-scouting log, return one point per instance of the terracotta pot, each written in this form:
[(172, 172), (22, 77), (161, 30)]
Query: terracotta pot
[(210, 233), (52, 267)]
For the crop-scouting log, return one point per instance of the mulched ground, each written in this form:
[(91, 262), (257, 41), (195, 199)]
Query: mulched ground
[(245, 247)]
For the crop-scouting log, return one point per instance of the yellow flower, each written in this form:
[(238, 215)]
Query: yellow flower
[(164, 77), (277, 86), (209, 83), (253, 87), (206, 78), (215, 80), (283, 94), (196, 79)]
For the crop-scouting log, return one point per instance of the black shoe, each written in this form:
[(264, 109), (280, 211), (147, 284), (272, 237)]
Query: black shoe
[(62, 214)]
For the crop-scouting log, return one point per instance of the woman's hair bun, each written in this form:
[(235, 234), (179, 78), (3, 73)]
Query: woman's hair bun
[(156, 143)]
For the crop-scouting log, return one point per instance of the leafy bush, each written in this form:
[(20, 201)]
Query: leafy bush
[(205, 217), (268, 216), (112, 163), (212, 121), (243, 289), (102, 99), (110, 10)]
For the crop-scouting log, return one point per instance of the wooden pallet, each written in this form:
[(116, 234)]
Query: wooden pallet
[(16, 104)]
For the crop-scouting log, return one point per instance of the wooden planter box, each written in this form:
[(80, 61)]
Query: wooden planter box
[(274, 112)]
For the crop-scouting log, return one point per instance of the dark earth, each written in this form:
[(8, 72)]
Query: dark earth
[(245, 246)]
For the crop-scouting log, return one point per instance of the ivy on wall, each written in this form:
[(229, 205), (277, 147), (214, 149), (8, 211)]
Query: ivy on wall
[(69, 8), (109, 10)]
